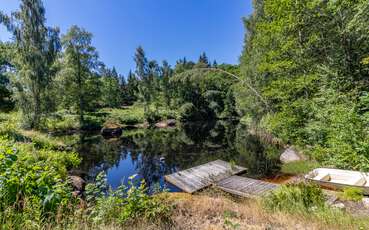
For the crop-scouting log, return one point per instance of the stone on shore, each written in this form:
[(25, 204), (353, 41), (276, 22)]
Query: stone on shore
[(290, 155), (111, 130)]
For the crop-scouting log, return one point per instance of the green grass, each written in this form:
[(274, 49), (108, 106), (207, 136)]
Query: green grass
[(308, 200), (135, 114), (131, 115), (353, 194), (299, 167)]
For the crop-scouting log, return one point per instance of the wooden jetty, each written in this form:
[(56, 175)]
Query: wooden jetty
[(222, 175), (199, 177), (245, 187)]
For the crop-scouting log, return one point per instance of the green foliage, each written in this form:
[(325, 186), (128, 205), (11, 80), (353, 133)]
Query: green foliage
[(152, 116), (205, 93), (295, 198), (299, 167), (311, 72), (354, 194), (33, 182), (124, 204), (77, 75), (228, 215), (36, 49), (188, 112), (6, 102), (111, 92), (131, 115)]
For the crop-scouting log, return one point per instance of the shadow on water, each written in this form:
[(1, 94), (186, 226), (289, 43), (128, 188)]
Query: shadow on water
[(153, 153)]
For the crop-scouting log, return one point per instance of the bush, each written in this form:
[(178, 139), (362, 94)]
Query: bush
[(33, 182), (152, 116), (188, 112), (299, 167), (131, 115), (124, 204), (295, 198), (354, 194)]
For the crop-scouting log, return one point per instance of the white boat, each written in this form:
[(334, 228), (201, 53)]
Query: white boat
[(339, 179)]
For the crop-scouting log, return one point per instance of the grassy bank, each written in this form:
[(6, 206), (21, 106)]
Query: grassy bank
[(213, 209), (37, 195)]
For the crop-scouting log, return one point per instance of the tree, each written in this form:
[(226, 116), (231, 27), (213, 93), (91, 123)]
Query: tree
[(143, 74), (131, 89), (36, 49), (203, 61), (307, 59), (183, 65), (79, 70), (111, 88), (167, 73), (6, 102)]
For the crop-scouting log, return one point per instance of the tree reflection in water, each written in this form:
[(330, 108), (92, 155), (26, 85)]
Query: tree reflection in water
[(153, 153)]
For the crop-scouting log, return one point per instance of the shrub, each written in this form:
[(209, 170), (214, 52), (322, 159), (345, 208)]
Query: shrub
[(188, 112), (124, 204), (295, 198), (152, 116), (354, 194), (127, 116), (299, 167), (33, 182)]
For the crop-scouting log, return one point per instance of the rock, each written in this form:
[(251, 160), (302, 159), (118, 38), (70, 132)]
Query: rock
[(77, 182), (171, 122), (75, 194), (78, 172), (165, 124), (290, 155), (161, 124), (111, 130), (339, 205), (331, 199), (365, 202)]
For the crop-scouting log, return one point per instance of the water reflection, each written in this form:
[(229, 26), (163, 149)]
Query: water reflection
[(153, 153)]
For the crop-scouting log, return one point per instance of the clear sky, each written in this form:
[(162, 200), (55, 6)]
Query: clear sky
[(166, 29)]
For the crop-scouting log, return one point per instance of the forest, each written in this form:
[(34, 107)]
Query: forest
[(301, 79)]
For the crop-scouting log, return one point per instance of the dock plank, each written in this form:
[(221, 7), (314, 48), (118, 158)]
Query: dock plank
[(199, 177), (245, 187)]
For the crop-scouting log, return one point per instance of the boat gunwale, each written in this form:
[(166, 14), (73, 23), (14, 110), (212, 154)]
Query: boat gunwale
[(336, 185)]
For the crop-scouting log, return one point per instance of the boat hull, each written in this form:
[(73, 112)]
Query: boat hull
[(337, 186), (338, 179)]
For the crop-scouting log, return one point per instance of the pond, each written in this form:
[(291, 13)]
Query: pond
[(153, 153)]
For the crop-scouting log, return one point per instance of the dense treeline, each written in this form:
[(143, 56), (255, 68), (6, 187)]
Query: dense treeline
[(309, 61), (44, 72)]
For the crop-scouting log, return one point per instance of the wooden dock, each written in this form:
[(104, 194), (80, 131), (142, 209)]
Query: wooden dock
[(245, 187), (222, 175), (199, 177)]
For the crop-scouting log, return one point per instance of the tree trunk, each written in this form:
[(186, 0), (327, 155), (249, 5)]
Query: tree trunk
[(80, 93)]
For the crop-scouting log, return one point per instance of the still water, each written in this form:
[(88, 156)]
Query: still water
[(153, 153)]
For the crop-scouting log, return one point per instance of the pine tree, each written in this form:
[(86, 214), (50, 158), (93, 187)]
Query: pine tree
[(111, 88), (131, 89), (203, 61)]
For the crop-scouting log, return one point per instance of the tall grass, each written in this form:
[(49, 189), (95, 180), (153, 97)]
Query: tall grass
[(308, 201)]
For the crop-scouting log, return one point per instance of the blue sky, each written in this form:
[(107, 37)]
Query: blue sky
[(167, 29)]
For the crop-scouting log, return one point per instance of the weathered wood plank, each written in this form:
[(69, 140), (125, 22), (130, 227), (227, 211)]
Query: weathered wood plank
[(199, 177), (246, 187)]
